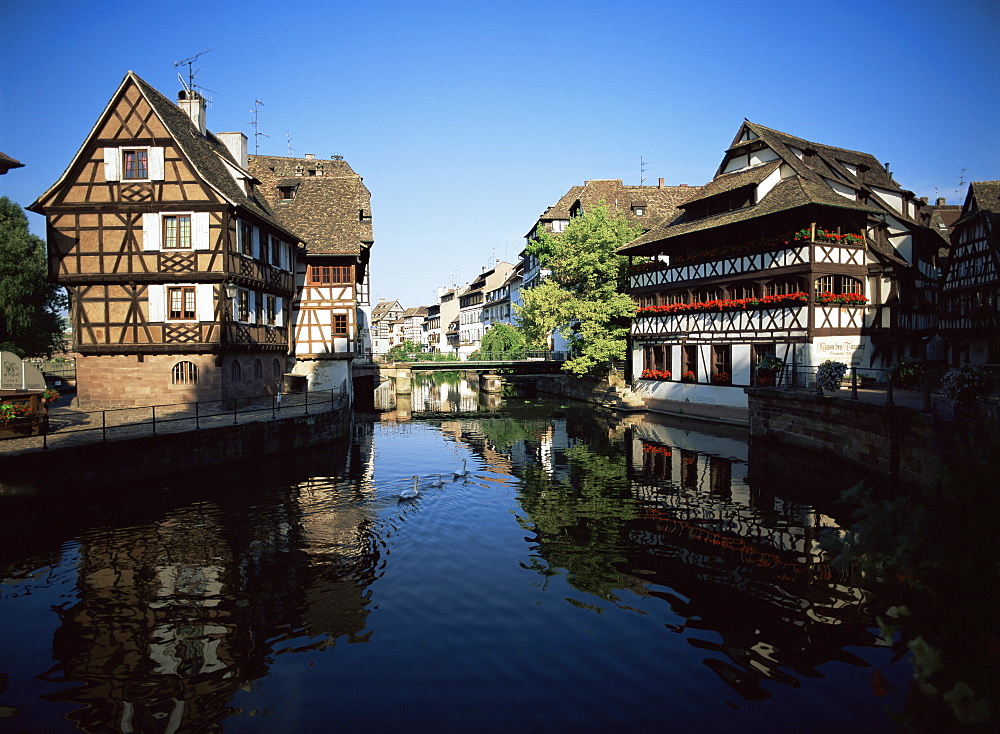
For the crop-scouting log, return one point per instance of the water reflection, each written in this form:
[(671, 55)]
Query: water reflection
[(203, 604)]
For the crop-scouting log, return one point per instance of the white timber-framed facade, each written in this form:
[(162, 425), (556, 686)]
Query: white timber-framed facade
[(795, 250)]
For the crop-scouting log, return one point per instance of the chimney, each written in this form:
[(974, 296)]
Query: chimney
[(661, 184), (311, 156), (941, 201), (237, 144), (193, 105), (924, 199)]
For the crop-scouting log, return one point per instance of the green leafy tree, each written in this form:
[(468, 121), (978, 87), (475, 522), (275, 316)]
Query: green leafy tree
[(584, 298), (502, 341), (30, 324)]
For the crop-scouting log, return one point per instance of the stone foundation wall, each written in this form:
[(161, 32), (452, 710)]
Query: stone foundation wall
[(110, 462), (123, 381), (893, 441)]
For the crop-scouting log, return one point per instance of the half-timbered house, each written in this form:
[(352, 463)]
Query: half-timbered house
[(970, 295), (179, 275), (384, 315), (794, 250), (328, 205)]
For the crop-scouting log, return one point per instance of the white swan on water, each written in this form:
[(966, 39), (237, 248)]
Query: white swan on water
[(439, 482), (410, 492), (463, 473)]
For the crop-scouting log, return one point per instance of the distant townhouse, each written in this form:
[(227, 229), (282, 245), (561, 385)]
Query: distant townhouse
[(384, 315), (326, 204), (795, 250), (413, 325), (472, 305), (180, 276), (970, 295)]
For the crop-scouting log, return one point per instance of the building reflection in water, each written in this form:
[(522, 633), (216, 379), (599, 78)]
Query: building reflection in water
[(173, 617), (739, 566), (434, 393)]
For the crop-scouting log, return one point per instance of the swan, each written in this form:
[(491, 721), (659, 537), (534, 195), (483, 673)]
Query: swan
[(410, 493), (463, 473), (439, 482)]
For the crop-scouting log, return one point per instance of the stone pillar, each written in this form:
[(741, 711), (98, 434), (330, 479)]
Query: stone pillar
[(490, 383), (403, 381)]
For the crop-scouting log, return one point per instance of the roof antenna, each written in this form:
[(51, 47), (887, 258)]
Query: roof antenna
[(642, 170), (290, 148), (256, 128), (189, 85)]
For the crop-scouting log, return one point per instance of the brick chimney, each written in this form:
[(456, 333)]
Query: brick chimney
[(660, 186), (941, 201), (193, 105)]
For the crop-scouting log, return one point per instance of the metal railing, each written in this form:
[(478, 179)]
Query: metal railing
[(525, 356), (69, 426)]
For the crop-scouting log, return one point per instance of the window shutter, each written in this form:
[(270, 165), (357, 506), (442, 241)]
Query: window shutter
[(204, 294), (156, 296), (112, 164), (256, 242), (151, 231), (253, 307), (156, 164), (279, 311), (239, 235), (199, 231)]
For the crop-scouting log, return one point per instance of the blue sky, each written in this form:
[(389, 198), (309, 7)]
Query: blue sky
[(468, 119)]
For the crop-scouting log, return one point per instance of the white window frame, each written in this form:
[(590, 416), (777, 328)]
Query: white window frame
[(114, 168), (152, 230), (204, 300)]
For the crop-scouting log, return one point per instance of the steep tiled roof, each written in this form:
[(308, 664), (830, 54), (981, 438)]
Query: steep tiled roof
[(206, 153), (660, 202), (827, 160), (330, 210), (790, 193), (805, 183), (987, 195), (732, 181)]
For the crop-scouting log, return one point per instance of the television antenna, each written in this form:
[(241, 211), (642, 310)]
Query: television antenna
[(189, 85), (643, 165), (291, 150), (256, 127)]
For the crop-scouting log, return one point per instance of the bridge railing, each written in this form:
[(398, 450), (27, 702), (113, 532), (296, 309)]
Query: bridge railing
[(525, 356)]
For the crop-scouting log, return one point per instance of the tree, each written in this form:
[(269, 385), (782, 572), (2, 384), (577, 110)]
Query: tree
[(503, 340), (585, 297), (30, 324)]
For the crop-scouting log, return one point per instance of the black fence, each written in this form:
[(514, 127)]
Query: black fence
[(69, 426)]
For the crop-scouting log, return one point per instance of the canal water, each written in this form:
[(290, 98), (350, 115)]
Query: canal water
[(591, 572)]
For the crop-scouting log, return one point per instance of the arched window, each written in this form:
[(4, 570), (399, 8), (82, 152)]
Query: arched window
[(276, 368), (236, 372), (258, 370), (781, 288), (184, 373)]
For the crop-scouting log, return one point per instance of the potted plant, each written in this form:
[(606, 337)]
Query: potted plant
[(689, 376), (829, 374), (722, 378), (906, 375), (767, 371), (965, 384)]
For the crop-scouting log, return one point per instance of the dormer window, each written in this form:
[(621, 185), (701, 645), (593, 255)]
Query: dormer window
[(286, 192), (312, 171), (638, 210), (576, 210)]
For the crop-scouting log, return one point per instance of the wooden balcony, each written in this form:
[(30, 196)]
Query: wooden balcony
[(752, 324), (804, 254)]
